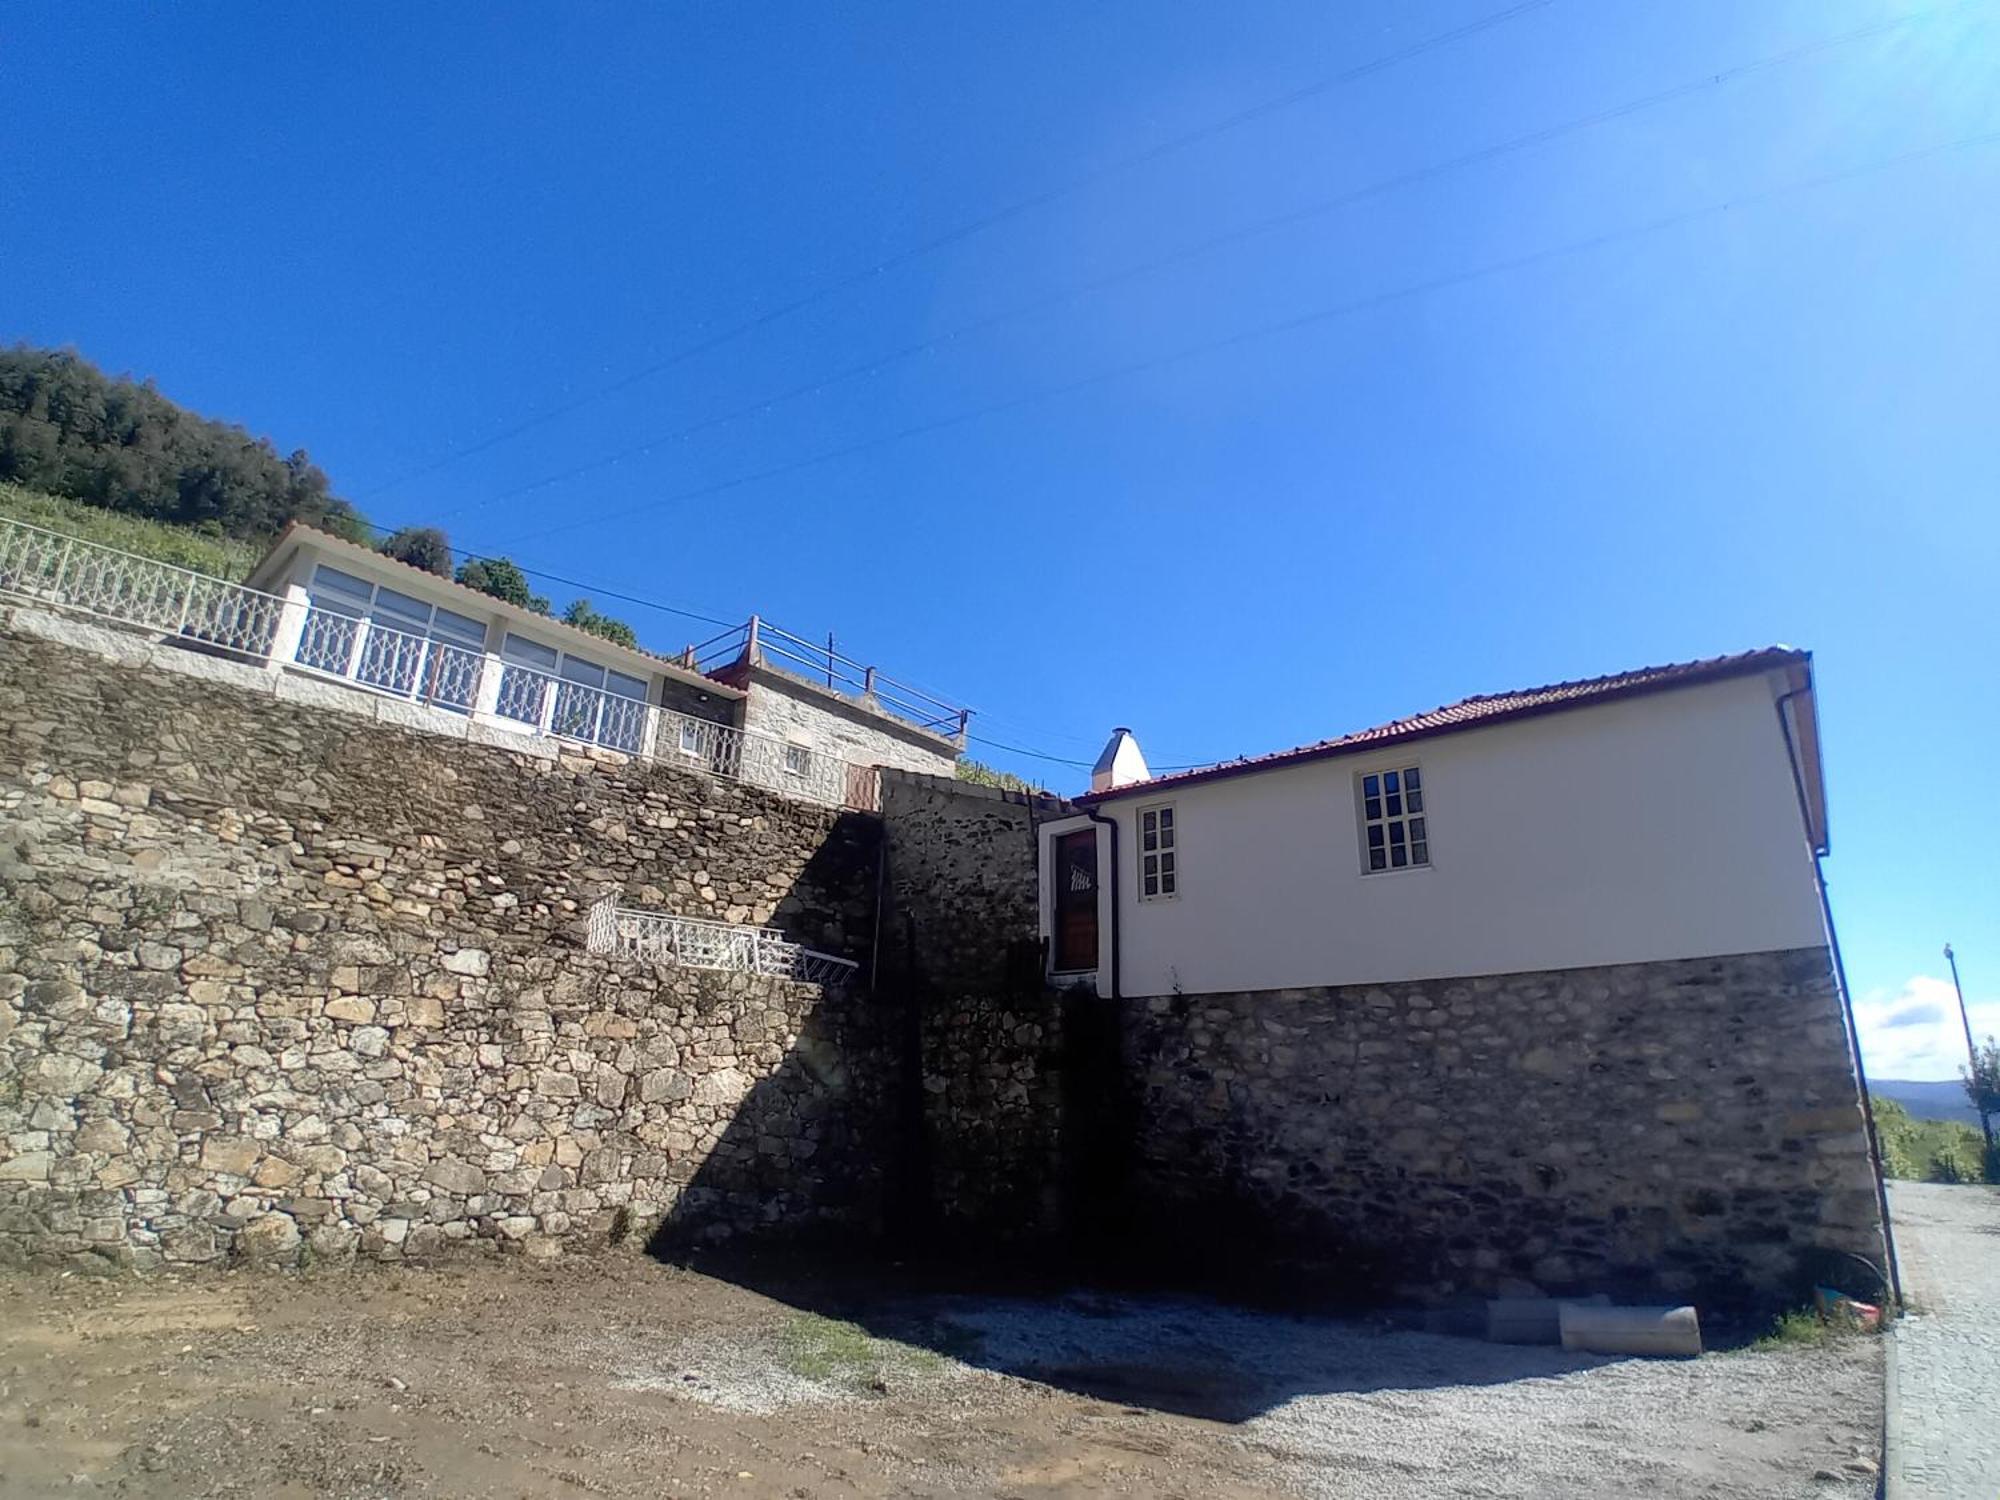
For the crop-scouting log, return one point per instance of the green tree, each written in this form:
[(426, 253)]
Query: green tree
[(69, 430), (1982, 1088), (421, 547), (503, 579), (584, 616), (980, 774)]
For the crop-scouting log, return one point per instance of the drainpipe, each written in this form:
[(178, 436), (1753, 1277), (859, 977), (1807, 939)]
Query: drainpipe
[(1846, 999), (1112, 824)]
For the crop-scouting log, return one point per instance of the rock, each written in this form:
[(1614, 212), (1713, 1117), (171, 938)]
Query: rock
[(351, 1008), (472, 961), (272, 1239), (455, 1176), (234, 1154), (29, 1166)]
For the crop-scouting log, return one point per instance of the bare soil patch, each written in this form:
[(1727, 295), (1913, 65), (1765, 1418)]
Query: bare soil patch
[(618, 1376)]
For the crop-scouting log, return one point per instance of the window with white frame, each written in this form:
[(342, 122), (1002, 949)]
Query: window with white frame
[(1159, 853), (407, 646), (690, 737), (798, 760), (579, 699), (1395, 831)]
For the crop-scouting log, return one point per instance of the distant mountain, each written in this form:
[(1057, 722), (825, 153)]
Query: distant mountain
[(1927, 1101)]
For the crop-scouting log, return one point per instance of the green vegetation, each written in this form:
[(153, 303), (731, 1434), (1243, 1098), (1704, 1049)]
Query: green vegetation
[(980, 774), (421, 547), (206, 551), (111, 460), (1928, 1150), (584, 617), (843, 1354), (503, 579), (68, 429), (1805, 1328)]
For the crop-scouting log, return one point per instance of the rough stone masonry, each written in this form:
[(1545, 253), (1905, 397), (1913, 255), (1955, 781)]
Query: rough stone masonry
[(277, 981)]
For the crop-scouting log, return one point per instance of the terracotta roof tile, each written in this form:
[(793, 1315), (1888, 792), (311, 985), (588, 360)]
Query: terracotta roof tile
[(1485, 709)]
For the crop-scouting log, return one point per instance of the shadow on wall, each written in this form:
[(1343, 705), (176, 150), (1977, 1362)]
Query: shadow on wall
[(802, 1152)]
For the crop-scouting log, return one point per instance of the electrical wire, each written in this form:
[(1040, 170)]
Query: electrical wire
[(1263, 331), (1291, 219), (966, 231)]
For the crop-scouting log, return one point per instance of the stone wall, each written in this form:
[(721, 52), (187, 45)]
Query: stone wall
[(961, 958), (1665, 1129), (272, 973), (788, 708)]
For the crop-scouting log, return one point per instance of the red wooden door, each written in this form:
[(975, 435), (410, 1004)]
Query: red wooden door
[(1076, 901)]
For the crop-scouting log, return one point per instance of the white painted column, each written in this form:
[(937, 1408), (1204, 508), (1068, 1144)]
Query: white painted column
[(291, 628), (486, 697)]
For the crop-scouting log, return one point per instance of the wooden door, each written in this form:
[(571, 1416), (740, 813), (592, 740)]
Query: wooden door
[(1076, 901)]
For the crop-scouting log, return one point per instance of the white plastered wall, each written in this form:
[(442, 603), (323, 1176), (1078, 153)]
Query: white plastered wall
[(1663, 826)]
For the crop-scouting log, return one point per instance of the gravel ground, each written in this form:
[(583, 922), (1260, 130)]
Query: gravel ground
[(1944, 1438), (619, 1377)]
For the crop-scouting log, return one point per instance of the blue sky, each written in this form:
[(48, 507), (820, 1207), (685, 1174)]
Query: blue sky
[(389, 234)]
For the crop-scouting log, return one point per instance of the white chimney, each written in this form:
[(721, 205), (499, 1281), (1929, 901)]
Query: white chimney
[(1121, 764)]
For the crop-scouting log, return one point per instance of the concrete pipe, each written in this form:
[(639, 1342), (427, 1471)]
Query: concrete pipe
[(1631, 1330), (1531, 1320)]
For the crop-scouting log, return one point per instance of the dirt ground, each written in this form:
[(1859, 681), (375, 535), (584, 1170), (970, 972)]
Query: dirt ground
[(623, 1377)]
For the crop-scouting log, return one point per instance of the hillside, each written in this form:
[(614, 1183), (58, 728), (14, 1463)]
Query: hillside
[(205, 552), (1925, 1150), (68, 429), (1927, 1099)]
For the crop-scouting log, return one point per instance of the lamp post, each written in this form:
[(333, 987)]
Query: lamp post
[(1971, 1051)]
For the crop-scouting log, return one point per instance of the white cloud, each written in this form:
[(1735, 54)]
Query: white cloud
[(1914, 1031)]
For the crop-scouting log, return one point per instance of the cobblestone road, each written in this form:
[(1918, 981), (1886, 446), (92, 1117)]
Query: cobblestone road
[(1944, 1396)]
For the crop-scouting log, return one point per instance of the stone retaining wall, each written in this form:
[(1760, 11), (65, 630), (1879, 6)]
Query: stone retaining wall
[(272, 975), (960, 952), (1661, 1129)]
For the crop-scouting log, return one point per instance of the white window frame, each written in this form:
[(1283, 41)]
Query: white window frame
[(1161, 863), (1402, 811), (690, 738), (798, 760)]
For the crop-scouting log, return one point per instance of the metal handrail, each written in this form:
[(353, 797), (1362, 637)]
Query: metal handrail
[(760, 643)]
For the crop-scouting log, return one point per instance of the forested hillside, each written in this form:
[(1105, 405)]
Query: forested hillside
[(112, 460), (68, 429)]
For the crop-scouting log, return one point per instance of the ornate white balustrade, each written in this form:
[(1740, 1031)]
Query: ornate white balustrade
[(63, 572), (697, 943)]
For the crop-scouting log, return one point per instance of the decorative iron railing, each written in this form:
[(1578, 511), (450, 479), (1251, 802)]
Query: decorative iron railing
[(53, 570), (697, 943), (47, 567)]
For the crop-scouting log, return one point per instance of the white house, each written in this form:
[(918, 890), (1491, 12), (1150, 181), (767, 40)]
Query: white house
[(1534, 990), (1666, 813), (739, 706)]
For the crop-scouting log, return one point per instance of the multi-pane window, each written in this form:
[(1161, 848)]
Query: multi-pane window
[(798, 760), (407, 646), (590, 702), (1394, 828), (1158, 857)]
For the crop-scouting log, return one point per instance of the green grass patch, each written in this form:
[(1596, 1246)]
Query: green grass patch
[(202, 551), (1804, 1328), (844, 1354)]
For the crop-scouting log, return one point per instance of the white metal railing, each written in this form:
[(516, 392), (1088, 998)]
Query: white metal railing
[(55, 570), (760, 643), (697, 943), (47, 567)]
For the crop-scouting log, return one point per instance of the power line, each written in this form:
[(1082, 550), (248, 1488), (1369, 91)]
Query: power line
[(1269, 330), (1292, 218), (969, 229)]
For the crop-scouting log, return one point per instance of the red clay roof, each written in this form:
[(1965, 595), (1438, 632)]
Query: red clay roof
[(1485, 709)]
